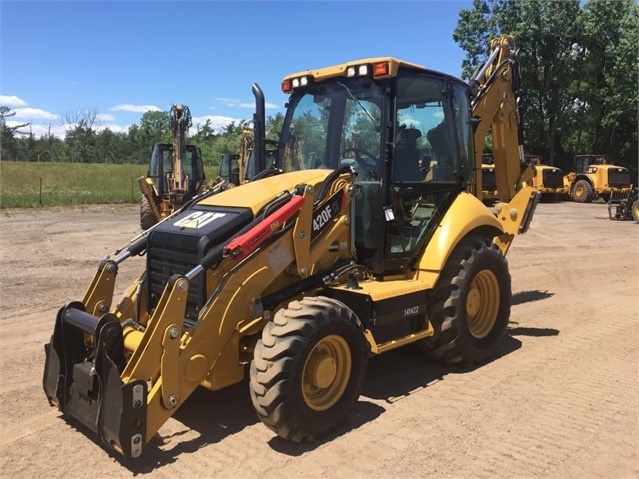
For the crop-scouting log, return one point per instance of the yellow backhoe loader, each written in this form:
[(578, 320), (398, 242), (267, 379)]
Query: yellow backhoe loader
[(256, 152), (335, 254), (176, 172)]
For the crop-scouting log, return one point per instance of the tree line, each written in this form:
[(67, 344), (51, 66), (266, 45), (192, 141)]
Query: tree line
[(83, 142), (579, 66), (579, 69)]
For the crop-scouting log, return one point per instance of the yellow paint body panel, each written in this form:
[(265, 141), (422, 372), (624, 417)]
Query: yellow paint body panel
[(466, 214), (256, 194)]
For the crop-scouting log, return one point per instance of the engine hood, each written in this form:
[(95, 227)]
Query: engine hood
[(256, 194)]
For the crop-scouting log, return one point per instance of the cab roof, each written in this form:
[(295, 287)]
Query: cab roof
[(340, 70)]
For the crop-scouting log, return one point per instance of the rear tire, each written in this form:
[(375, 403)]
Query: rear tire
[(308, 368), (470, 305), (147, 217), (582, 192)]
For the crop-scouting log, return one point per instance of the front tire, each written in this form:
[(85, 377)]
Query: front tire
[(470, 306), (308, 368), (582, 192), (147, 217)]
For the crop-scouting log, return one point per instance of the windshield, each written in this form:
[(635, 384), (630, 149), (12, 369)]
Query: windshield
[(333, 124)]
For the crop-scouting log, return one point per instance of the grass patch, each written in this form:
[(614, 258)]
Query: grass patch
[(29, 185)]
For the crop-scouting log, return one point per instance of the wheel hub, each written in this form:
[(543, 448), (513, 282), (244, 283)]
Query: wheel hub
[(482, 304), (322, 369), (473, 302), (326, 373)]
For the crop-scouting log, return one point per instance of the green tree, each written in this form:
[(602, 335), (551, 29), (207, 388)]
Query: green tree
[(9, 144), (274, 125), (155, 124), (579, 71), (545, 32), (609, 77), (80, 136)]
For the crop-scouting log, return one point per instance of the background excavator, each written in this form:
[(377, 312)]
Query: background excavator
[(345, 249), (256, 152), (176, 172)]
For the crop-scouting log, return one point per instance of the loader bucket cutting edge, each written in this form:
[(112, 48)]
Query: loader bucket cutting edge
[(82, 378)]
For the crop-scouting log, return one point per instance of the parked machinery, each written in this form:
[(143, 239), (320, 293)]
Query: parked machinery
[(335, 254), (624, 206), (593, 176), (548, 180), (176, 172)]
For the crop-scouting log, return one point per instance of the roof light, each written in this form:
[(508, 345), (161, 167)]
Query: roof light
[(350, 72), (286, 86), (304, 81), (362, 70), (296, 82), (380, 69)]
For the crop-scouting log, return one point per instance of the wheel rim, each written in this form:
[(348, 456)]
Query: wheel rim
[(326, 373), (579, 192), (635, 210), (482, 304)]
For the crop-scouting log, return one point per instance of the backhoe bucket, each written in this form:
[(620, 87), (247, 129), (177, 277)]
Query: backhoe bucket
[(82, 369)]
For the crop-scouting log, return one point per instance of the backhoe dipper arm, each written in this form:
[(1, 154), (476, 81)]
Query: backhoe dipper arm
[(496, 105), (180, 123)]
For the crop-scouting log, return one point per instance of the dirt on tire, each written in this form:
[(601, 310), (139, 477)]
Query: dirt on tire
[(560, 399)]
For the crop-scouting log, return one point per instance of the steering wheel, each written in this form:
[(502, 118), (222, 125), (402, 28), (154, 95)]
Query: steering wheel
[(360, 157)]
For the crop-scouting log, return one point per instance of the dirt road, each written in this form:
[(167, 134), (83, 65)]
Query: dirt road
[(560, 400)]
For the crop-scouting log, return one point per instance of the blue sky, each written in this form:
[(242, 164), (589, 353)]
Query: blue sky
[(118, 59)]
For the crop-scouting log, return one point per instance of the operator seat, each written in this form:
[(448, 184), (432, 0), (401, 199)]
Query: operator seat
[(441, 150), (407, 167)]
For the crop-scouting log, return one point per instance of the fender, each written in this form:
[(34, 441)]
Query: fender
[(450, 232)]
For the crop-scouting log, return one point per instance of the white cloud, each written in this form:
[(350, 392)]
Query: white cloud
[(271, 106), (12, 100), (114, 128), (234, 103), (105, 117), (34, 113), (218, 122), (135, 108), (40, 130)]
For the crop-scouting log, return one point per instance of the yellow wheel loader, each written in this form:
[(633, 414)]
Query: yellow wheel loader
[(593, 176), (355, 243), (548, 180)]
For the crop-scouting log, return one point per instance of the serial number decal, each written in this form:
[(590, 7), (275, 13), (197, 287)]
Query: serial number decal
[(411, 311), (198, 219)]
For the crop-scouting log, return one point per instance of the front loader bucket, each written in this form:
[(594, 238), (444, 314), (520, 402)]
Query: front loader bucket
[(82, 369)]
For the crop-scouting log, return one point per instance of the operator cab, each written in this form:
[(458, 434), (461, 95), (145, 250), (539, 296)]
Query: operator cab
[(582, 163), (161, 167), (407, 133)]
